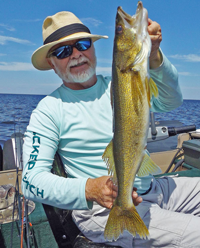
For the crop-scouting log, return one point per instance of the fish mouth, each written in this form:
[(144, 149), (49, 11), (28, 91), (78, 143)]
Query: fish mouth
[(139, 21), (126, 18), (137, 24)]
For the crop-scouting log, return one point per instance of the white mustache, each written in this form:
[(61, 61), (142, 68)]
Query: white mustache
[(80, 60)]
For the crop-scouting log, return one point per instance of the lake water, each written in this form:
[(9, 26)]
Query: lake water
[(16, 109)]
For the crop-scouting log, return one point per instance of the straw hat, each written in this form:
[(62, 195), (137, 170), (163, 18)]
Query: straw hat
[(61, 27)]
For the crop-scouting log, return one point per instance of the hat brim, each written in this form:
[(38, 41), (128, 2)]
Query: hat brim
[(39, 56)]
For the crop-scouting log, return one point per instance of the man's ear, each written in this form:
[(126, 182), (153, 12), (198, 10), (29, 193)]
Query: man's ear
[(50, 63)]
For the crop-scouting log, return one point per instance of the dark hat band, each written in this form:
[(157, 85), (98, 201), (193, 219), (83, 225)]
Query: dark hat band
[(65, 31)]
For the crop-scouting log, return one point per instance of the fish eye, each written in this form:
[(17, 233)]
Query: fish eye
[(119, 29)]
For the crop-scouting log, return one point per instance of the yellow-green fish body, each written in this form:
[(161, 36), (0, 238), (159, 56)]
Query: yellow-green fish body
[(131, 89)]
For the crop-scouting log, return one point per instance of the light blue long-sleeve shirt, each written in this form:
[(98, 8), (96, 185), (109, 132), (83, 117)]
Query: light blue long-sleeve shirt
[(78, 124)]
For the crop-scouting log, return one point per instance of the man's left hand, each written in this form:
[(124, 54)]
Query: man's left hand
[(136, 199), (155, 34)]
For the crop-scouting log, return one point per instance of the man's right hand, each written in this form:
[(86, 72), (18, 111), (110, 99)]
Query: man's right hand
[(101, 190)]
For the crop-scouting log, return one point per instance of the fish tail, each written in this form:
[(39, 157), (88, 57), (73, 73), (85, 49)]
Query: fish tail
[(127, 219)]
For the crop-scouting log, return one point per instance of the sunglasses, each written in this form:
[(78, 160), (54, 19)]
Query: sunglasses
[(67, 50)]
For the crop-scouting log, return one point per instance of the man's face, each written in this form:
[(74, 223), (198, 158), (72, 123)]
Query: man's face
[(79, 67)]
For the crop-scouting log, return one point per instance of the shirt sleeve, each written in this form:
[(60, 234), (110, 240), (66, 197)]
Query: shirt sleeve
[(166, 79), (40, 145)]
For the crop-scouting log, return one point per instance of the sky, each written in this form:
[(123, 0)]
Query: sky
[(21, 34)]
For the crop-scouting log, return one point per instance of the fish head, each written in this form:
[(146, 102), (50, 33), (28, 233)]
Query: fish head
[(130, 34)]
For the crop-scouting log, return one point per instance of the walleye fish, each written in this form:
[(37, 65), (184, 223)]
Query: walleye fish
[(132, 90)]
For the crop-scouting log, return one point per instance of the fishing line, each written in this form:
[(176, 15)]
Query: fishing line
[(21, 154), (17, 196), (24, 218), (12, 226), (27, 223), (22, 223)]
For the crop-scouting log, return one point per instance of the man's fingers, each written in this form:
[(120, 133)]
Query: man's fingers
[(109, 182), (154, 28), (115, 188), (136, 199), (156, 38), (111, 185), (149, 21), (135, 195), (114, 194)]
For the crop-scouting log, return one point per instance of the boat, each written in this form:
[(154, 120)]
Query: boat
[(172, 146)]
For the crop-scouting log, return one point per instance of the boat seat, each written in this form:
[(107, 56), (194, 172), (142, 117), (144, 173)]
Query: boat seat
[(7, 195), (8, 156), (12, 152), (65, 231), (164, 158)]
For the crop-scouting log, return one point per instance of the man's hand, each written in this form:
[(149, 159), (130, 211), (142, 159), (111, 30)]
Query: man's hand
[(155, 34), (104, 192), (136, 199), (101, 190)]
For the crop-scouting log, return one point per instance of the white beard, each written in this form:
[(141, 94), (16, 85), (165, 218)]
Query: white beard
[(79, 77)]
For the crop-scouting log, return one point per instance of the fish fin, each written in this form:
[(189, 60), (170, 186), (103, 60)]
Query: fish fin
[(148, 167), (109, 160), (124, 219), (152, 89), (134, 67), (148, 91)]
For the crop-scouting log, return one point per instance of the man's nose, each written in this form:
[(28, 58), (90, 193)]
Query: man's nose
[(76, 53)]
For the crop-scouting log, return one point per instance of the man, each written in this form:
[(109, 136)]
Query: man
[(76, 121)]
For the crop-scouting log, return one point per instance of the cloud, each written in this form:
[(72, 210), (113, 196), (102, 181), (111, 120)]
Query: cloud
[(5, 39), (105, 61), (7, 27), (2, 54), (91, 21), (189, 57), (22, 20), (186, 73), (104, 70), (190, 88), (16, 66)]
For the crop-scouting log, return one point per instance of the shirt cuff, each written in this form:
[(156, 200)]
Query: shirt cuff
[(161, 65)]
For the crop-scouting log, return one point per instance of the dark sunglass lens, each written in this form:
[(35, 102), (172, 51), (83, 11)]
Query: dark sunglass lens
[(58, 51), (63, 52), (66, 52), (83, 45)]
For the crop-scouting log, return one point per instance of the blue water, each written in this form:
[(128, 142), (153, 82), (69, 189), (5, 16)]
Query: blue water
[(16, 109), (188, 113), (15, 113)]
